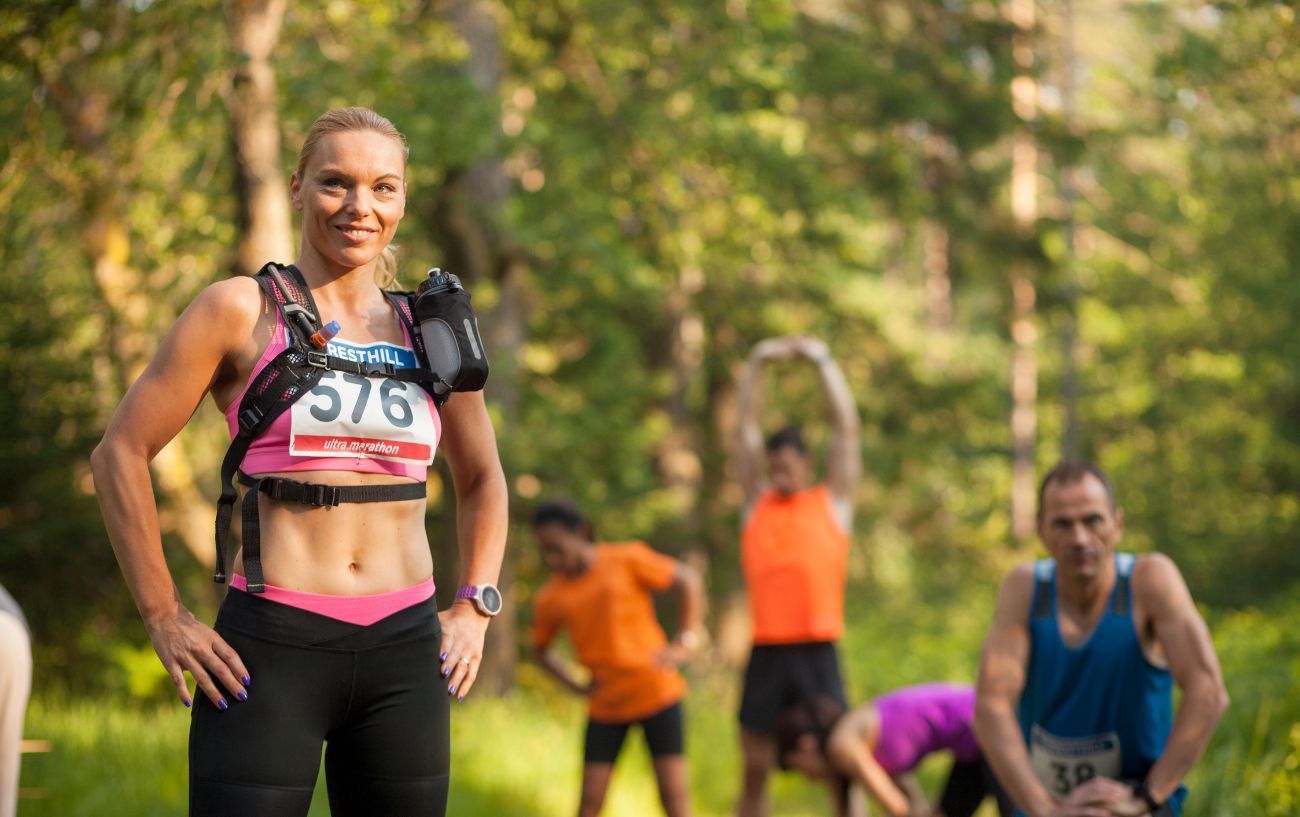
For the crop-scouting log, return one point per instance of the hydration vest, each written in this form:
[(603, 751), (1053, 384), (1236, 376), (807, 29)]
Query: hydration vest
[(273, 390)]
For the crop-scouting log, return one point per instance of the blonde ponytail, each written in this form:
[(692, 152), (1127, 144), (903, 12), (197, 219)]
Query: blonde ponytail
[(386, 268)]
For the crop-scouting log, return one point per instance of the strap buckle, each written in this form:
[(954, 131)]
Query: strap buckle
[(320, 360), (249, 418), (321, 495), (385, 369), (316, 494)]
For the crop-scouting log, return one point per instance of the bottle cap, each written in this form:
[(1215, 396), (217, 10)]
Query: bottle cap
[(325, 334)]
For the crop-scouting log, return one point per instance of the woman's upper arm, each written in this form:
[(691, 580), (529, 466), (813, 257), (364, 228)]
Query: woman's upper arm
[(468, 439), (166, 394)]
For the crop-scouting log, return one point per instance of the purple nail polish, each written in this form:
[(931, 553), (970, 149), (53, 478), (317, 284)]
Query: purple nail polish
[(187, 703), (222, 705), (461, 699), (442, 657), (241, 695), (451, 691), (247, 681), (446, 673)]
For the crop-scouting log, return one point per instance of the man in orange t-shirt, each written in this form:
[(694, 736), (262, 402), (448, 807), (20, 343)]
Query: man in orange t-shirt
[(602, 595), (794, 553)]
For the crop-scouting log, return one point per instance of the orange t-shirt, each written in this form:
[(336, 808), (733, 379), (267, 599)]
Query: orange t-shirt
[(795, 556), (610, 616)]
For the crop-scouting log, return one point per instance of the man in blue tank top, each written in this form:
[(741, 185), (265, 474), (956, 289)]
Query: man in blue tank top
[(1074, 703)]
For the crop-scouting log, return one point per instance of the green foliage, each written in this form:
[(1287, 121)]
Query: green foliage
[(687, 179), (1250, 767)]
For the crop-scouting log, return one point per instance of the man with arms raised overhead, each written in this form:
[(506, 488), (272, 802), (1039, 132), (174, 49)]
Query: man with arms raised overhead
[(794, 551), (1074, 704)]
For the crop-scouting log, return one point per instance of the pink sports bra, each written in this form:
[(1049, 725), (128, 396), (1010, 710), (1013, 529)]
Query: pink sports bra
[(347, 423)]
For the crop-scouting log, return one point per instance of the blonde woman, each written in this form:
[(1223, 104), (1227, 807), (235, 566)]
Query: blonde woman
[(329, 634)]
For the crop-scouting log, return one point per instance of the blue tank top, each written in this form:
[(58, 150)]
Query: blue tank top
[(1097, 709)]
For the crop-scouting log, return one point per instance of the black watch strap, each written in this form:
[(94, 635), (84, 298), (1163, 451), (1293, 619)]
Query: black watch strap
[(1142, 792)]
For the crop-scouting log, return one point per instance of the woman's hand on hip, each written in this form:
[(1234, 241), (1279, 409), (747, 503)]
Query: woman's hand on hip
[(463, 630), (185, 644)]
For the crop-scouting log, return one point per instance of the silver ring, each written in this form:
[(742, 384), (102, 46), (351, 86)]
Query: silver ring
[(465, 661)]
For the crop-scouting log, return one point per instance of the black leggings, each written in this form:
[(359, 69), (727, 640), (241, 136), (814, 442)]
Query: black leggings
[(968, 784), (371, 694)]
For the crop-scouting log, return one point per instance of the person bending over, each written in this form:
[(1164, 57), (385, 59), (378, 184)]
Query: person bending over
[(601, 595), (1074, 705), (878, 744), (794, 554)]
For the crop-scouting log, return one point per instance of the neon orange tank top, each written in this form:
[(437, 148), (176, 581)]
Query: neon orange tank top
[(795, 557)]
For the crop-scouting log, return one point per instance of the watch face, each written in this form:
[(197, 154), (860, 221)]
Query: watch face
[(491, 598)]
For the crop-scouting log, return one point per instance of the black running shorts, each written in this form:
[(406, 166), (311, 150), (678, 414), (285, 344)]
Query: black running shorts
[(663, 734), (782, 675)]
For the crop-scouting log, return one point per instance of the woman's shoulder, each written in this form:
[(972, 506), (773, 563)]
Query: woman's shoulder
[(233, 305), (223, 319), (234, 297)]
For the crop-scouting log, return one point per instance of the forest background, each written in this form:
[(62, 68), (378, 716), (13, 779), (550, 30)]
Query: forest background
[(1027, 230)]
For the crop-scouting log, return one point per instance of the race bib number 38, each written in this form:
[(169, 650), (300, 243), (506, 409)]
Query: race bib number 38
[(1063, 763), (347, 415)]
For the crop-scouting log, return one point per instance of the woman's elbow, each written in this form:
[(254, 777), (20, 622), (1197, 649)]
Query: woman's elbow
[(484, 481), (101, 458)]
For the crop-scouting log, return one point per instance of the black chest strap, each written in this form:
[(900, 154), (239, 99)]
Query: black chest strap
[(315, 494)]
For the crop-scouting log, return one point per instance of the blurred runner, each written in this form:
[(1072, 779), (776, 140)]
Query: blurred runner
[(794, 551), (601, 594), (1074, 709)]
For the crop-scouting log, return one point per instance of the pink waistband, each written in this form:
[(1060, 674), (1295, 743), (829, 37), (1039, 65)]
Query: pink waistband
[(361, 610)]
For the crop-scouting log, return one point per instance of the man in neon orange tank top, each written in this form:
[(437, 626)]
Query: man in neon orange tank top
[(794, 552)]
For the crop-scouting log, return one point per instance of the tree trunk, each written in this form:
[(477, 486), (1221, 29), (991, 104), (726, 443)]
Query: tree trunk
[(939, 152), (467, 218), (266, 232), (1071, 444), (938, 286), (678, 457), (679, 451), (123, 293), (1024, 332)]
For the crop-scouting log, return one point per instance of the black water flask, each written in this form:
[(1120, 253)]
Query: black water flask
[(452, 345)]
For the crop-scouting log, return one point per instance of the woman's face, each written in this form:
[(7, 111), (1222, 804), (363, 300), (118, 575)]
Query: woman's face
[(352, 194)]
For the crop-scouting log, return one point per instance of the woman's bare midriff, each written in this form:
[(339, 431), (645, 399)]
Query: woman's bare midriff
[(353, 549)]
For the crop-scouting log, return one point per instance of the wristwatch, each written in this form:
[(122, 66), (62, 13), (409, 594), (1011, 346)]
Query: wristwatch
[(486, 597), (1143, 793)]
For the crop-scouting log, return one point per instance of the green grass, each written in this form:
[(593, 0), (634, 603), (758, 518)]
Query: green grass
[(520, 756)]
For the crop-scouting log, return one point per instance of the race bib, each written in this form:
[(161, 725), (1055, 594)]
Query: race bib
[(1063, 763), (347, 415)]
